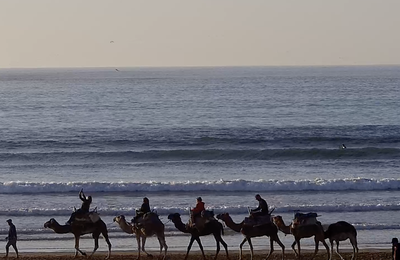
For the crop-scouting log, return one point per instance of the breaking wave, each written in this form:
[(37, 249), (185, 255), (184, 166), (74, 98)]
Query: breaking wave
[(237, 185), (237, 210), (204, 154)]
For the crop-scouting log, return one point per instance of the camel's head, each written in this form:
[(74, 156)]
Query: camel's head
[(174, 217), (278, 221), (119, 218), (223, 216), (50, 223)]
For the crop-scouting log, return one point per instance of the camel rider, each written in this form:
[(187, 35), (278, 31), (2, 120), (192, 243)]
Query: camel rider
[(262, 208), (196, 211), (86, 201), (145, 208)]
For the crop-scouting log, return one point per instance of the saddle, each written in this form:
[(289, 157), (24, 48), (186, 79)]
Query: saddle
[(202, 219), (257, 221), (91, 217), (147, 218), (207, 214), (302, 219)]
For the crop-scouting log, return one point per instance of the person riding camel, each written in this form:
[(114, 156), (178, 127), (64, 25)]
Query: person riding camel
[(145, 208), (86, 201), (84, 210), (262, 208), (196, 211)]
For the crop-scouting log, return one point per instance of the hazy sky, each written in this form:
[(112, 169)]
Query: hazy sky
[(77, 33)]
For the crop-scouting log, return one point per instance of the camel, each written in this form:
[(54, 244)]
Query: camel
[(78, 229), (212, 227), (341, 231), (303, 231), (155, 227), (248, 231)]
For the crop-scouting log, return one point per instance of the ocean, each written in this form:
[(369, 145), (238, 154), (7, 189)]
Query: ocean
[(222, 133)]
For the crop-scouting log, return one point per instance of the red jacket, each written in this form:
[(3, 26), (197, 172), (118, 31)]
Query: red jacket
[(199, 208)]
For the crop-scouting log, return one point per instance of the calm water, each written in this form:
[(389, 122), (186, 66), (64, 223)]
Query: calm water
[(225, 134)]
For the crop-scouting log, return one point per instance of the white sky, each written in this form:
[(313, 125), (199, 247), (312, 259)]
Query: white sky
[(77, 33)]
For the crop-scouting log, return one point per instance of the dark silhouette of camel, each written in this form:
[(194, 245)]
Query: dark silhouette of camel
[(148, 229), (213, 227), (303, 231), (341, 231), (80, 228), (250, 231)]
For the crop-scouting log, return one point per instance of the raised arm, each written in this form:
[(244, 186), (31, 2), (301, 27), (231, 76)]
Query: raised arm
[(82, 195)]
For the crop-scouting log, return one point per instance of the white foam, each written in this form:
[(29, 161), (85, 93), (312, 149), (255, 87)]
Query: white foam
[(238, 210), (237, 185)]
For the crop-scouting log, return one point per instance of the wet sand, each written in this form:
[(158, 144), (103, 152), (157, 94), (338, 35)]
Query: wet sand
[(369, 254)]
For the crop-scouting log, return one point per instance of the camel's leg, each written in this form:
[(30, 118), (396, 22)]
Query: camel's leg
[(277, 240), (251, 248), (96, 245), (201, 247), (241, 248), (294, 249), (192, 239), (105, 235), (218, 248), (316, 247), (327, 248), (138, 244), (143, 248), (337, 250), (298, 248), (331, 242), (353, 241), (163, 244), (225, 246), (271, 242), (77, 247)]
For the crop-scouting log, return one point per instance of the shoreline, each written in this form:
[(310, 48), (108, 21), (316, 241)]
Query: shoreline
[(367, 254)]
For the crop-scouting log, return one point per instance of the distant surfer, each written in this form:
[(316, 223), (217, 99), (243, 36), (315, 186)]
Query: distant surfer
[(116, 69), (343, 146)]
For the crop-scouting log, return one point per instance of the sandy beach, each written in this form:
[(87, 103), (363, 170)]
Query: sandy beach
[(369, 254)]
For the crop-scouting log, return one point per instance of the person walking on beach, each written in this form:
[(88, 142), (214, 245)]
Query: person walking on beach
[(395, 249), (262, 208), (12, 238)]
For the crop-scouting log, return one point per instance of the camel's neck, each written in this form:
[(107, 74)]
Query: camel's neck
[(126, 227), (181, 227), (232, 225), (285, 229), (61, 229)]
